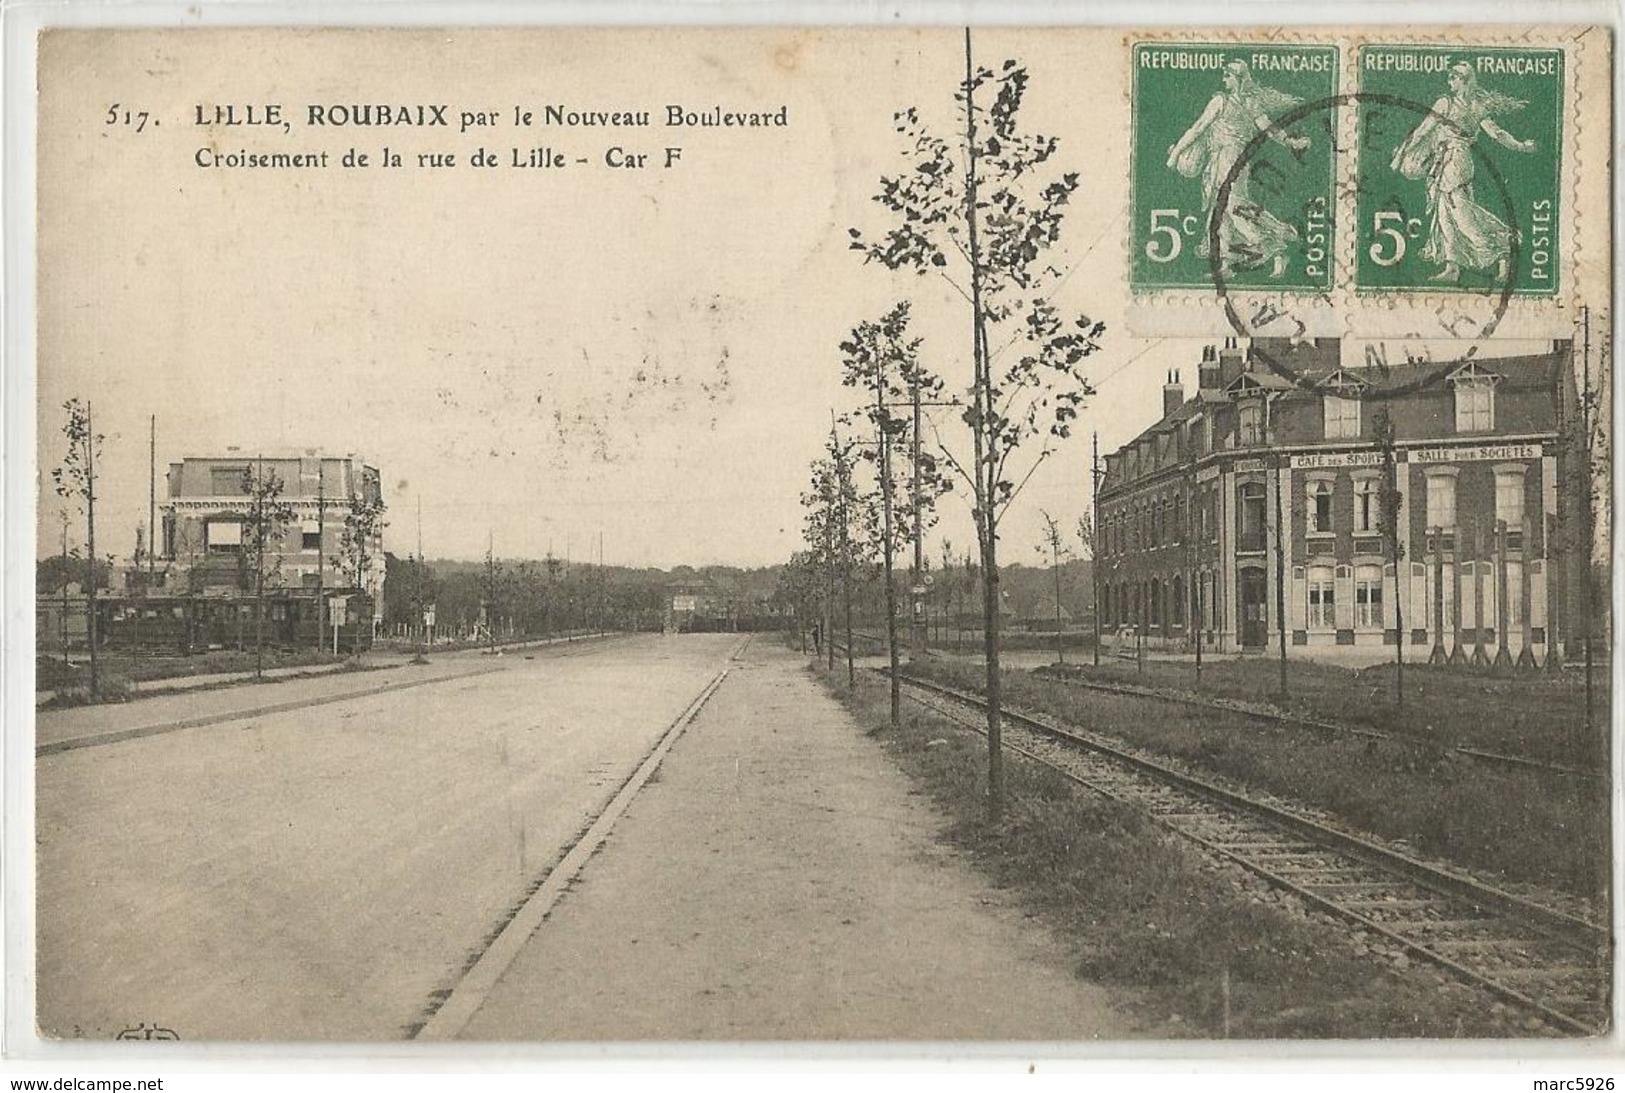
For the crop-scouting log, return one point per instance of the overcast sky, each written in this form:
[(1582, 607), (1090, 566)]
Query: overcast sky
[(540, 356)]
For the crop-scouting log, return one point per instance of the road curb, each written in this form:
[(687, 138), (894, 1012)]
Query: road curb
[(471, 991), (117, 735)]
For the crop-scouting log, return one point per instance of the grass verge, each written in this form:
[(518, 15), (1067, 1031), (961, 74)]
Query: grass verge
[(52, 674), (1536, 715), (1199, 948), (1519, 825)]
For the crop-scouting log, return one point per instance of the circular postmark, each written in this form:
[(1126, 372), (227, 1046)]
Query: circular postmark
[(1235, 209)]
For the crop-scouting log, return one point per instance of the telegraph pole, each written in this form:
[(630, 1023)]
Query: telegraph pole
[(321, 545), (1587, 546), (1094, 544), (66, 576), (152, 500), (916, 644), (1280, 546), (261, 541), (883, 459), (422, 619), (90, 547)]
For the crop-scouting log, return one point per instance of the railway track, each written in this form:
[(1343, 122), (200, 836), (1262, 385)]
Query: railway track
[(1540, 959)]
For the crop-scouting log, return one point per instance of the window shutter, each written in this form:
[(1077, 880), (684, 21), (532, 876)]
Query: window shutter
[(1390, 596), (1537, 595), (1298, 599), (1343, 604), (1419, 608)]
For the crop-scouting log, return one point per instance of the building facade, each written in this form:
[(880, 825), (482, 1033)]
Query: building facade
[(1253, 511), (203, 523)]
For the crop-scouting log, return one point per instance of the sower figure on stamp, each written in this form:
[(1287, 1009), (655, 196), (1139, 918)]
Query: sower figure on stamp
[(1249, 234), (1461, 232)]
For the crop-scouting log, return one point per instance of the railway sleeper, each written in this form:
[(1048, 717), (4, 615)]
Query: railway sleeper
[(1413, 905)]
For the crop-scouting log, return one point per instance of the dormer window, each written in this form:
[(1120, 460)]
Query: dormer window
[(1340, 400), (1475, 406), (1342, 417), (1250, 423), (1475, 398)]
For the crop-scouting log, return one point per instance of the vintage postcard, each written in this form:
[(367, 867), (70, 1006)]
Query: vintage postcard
[(562, 536)]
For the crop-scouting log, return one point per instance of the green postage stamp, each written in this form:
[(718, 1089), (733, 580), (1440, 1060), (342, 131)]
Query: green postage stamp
[(1233, 166), (1459, 164)]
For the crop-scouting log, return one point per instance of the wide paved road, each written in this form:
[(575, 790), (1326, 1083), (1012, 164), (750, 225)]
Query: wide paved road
[(323, 872)]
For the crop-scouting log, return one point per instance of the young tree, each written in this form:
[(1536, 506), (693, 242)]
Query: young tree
[(75, 480), (363, 523), (993, 213), (492, 584), (1086, 549), (950, 589), (267, 519), (880, 359), (818, 530), (835, 509)]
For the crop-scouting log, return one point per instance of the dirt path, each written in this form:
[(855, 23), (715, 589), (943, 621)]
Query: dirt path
[(778, 880)]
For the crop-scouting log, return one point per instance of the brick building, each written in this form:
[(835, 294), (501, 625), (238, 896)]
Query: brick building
[(203, 515), (1277, 449)]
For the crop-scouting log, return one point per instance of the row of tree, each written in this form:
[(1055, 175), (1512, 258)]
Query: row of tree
[(980, 210)]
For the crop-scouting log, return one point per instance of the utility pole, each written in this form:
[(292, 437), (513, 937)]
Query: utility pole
[(152, 500), (1280, 551), (829, 560), (1587, 517), (1194, 608), (261, 541), (916, 644), (842, 478), (883, 454), (90, 546), (422, 619), (1393, 546), (66, 575), (321, 546), (1094, 546)]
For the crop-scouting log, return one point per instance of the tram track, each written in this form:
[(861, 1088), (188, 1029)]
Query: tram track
[(1541, 959)]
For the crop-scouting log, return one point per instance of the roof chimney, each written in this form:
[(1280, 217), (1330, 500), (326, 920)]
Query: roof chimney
[(1209, 374), (1173, 394)]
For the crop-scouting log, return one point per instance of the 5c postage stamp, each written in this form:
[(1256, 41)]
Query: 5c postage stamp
[(1460, 155), (1198, 110)]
